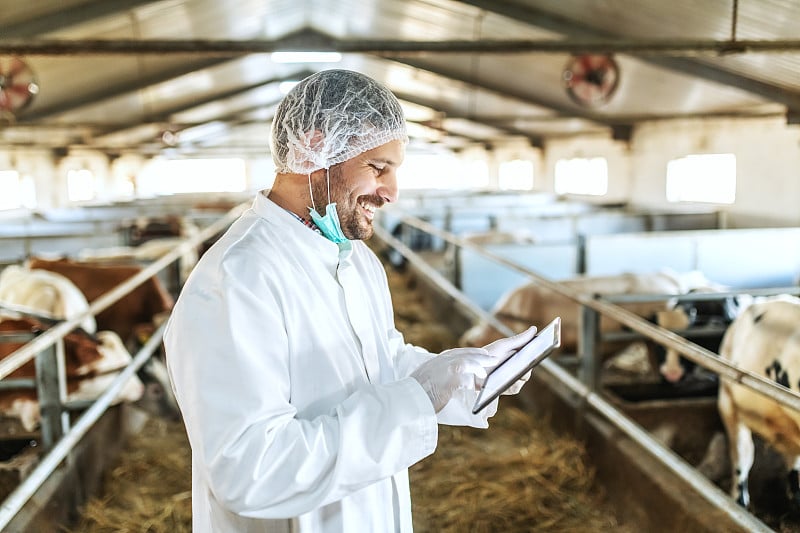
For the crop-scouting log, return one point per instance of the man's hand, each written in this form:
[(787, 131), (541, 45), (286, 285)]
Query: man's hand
[(502, 349)]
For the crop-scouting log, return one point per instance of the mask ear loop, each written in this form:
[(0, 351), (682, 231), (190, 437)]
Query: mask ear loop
[(311, 193), (328, 180)]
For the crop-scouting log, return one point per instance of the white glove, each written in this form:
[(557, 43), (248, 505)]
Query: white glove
[(501, 349), (452, 370)]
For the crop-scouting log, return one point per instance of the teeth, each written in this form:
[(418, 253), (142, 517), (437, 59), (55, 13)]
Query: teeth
[(368, 207)]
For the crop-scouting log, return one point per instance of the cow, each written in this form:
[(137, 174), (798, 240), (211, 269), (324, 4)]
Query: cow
[(44, 291), (711, 314), (134, 315), (764, 339), (531, 304), (42, 297), (91, 363)]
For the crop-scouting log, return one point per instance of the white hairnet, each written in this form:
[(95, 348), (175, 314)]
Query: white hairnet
[(333, 116)]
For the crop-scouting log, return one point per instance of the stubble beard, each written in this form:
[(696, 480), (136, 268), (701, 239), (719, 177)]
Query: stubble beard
[(355, 225)]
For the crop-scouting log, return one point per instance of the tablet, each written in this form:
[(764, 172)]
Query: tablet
[(512, 369)]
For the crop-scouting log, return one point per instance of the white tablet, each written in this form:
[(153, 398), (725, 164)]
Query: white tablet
[(512, 369)]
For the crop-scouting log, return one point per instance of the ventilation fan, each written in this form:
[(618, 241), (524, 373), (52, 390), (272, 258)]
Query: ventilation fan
[(17, 85), (591, 79)]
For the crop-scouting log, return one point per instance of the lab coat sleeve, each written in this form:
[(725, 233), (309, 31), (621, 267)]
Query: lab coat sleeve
[(230, 371)]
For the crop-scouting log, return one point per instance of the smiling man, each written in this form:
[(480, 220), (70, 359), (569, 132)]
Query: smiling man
[(303, 405)]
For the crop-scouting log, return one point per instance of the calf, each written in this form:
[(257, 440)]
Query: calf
[(44, 291), (147, 303), (533, 304), (764, 339), (91, 364)]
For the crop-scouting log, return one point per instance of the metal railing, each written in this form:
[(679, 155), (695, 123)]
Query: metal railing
[(583, 391)]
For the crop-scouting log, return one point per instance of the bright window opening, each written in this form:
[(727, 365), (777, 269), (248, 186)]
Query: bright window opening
[(582, 176), (441, 171), (10, 190), (702, 178), (177, 176), (516, 175), (80, 185)]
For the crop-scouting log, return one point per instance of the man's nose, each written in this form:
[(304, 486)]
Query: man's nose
[(388, 187)]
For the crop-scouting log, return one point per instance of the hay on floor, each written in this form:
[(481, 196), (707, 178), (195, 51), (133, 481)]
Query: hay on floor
[(148, 489)]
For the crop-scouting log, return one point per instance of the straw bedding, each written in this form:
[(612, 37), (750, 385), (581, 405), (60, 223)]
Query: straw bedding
[(516, 476)]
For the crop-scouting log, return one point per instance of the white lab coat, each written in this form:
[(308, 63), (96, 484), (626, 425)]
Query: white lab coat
[(293, 385)]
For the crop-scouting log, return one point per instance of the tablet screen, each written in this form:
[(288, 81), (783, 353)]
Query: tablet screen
[(509, 371)]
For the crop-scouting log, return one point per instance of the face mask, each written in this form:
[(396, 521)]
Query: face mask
[(329, 224)]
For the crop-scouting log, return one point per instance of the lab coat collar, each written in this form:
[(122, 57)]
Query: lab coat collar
[(298, 233)]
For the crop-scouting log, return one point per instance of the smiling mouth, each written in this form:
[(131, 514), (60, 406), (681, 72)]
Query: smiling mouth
[(369, 209)]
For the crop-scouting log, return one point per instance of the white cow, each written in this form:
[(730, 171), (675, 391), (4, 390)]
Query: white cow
[(532, 304), (764, 339)]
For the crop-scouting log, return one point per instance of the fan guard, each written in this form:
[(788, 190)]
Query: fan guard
[(591, 79), (17, 85)]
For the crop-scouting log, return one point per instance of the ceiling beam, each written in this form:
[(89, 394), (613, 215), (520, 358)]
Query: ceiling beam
[(71, 17), (578, 30), (208, 47)]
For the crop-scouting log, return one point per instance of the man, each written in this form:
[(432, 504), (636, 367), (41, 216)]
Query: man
[(303, 405)]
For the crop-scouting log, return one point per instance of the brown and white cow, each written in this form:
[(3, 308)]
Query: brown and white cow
[(58, 298), (764, 339), (91, 362), (44, 291), (146, 304), (532, 304)]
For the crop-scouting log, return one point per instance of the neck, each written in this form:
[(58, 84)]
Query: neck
[(290, 191)]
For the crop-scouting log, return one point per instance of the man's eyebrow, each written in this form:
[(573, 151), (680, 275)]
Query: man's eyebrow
[(383, 160)]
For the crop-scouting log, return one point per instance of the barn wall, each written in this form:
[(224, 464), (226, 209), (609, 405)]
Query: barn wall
[(615, 152), (767, 161)]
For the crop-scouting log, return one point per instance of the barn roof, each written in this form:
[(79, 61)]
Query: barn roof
[(197, 76)]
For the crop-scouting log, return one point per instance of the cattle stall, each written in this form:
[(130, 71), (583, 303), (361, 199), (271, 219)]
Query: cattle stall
[(57, 466), (669, 438)]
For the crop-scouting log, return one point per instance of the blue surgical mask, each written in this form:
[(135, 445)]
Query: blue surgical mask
[(329, 224)]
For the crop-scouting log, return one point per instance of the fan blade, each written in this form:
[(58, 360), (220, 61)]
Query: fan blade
[(17, 66), (586, 62), (20, 89)]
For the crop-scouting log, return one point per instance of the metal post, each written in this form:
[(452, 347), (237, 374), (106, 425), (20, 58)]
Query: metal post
[(589, 353), (49, 391)]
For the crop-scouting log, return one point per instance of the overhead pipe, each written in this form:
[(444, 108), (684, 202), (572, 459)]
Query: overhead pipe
[(672, 47)]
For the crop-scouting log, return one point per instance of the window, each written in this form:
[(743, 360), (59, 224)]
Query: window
[(517, 175), (80, 185), (175, 176), (10, 190), (582, 176), (702, 178), (441, 171)]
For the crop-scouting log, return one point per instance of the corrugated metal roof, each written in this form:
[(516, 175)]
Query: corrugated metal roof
[(126, 101)]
